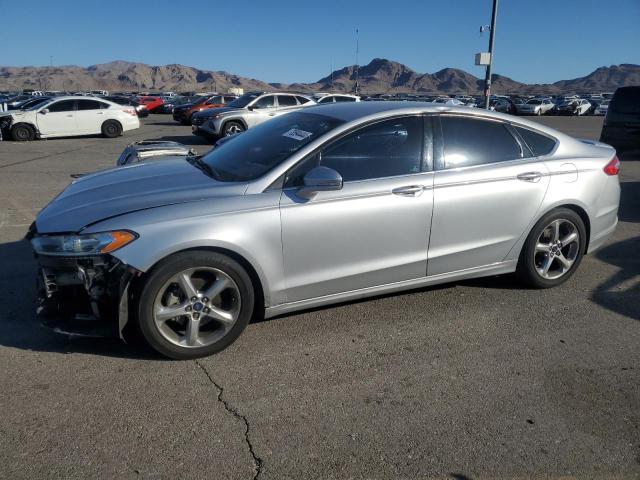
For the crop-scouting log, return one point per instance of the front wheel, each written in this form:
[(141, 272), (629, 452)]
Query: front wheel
[(23, 132), (232, 128), (195, 304), (553, 250)]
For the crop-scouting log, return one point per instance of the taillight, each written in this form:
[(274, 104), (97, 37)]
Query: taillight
[(613, 167), (131, 111)]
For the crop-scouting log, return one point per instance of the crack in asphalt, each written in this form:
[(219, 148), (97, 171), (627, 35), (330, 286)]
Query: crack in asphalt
[(257, 461)]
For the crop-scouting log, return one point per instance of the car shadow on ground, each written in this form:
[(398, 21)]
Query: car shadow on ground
[(620, 293)]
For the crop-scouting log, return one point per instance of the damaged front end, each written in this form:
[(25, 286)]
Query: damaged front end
[(5, 126), (81, 293)]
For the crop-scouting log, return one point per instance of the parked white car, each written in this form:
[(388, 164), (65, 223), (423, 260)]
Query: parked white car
[(449, 101), (535, 106), (71, 116), (602, 108), (335, 98)]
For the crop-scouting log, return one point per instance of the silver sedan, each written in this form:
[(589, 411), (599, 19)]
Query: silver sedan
[(319, 206)]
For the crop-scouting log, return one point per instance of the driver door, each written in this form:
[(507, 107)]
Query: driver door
[(375, 229), (60, 119), (262, 109)]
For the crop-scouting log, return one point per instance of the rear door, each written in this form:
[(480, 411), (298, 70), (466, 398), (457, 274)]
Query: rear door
[(90, 115), (60, 118), (286, 103), (487, 190)]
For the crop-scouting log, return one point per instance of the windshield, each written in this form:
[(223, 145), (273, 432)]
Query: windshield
[(33, 104), (534, 102), (261, 148), (244, 100)]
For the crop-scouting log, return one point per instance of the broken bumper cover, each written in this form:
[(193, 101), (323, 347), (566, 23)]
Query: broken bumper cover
[(84, 296)]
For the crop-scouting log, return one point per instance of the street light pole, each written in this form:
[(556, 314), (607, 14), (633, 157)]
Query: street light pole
[(487, 79), (357, 66)]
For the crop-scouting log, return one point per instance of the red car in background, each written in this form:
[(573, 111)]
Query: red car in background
[(150, 102), (183, 113)]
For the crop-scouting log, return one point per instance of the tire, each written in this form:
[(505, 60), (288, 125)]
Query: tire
[(163, 294), (541, 248), (111, 129), (23, 132), (539, 112), (232, 128)]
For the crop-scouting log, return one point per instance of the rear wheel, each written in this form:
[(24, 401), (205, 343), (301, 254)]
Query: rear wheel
[(232, 128), (23, 132), (195, 304), (553, 250), (111, 129)]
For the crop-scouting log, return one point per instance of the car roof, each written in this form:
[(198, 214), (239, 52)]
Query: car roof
[(357, 110)]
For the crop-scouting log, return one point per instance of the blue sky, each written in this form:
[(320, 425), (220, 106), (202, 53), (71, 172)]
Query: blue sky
[(537, 41)]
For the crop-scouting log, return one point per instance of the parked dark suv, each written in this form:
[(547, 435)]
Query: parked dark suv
[(621, 128)]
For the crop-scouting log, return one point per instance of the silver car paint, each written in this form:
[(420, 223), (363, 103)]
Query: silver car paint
[(363, 240)]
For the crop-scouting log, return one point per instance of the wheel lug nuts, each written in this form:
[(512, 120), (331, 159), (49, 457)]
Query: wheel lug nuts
[(206, 310), (193, 299), (188, 308), (196, 315), (205, 299)]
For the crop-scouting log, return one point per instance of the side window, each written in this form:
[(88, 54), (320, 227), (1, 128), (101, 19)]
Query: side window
[(265, 102), (538, 144), (229, 99), (326, 100), (303, 100), (473, 141), (384, 149), (104, 106), (214, 100), (287, 101), (88, 105), (63, 106), (344, 99)]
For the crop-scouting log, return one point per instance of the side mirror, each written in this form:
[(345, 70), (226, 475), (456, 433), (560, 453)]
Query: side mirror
[(44, 111), (320, 179), (251, 107)]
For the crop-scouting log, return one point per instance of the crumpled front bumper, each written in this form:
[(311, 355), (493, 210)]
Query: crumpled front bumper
[(84, 296)]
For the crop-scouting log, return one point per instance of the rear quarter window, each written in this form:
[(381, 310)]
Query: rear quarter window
[(538, 144)]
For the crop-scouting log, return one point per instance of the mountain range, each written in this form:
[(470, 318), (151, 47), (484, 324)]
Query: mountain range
[(379, 76)]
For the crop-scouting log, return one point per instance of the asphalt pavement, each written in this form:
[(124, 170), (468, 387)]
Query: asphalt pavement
[(473, 379)]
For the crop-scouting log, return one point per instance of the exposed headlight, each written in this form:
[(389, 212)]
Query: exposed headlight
[(81, 245)]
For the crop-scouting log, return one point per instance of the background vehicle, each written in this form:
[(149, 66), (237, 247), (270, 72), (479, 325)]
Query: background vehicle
[(621, 126), (577, 106), (141, 110), (503, 105), (184, 112), (172, 102), (148, 150), (448, 101), (249, 110), (70, 116), (335, 98), (150, 102), (602, 108), (319, 206), (535, 106)]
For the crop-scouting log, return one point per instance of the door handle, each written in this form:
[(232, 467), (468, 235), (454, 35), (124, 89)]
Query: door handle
[(530, 177), (69, 116), (409, 191), (100, 113)]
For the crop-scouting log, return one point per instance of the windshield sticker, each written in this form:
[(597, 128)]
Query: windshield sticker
[(297, 134)]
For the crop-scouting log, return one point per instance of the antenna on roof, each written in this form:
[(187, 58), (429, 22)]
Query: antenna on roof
[(355, 89)]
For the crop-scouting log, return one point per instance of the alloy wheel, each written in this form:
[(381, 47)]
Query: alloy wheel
[(557, 249), (197, 307)]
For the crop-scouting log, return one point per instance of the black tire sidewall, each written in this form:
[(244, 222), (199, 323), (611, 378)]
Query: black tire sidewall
[(22, 127), (106, 127), (157, 277), (526, 268)]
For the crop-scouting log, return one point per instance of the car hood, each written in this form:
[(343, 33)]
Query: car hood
[(121, 190), (215, 111)]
